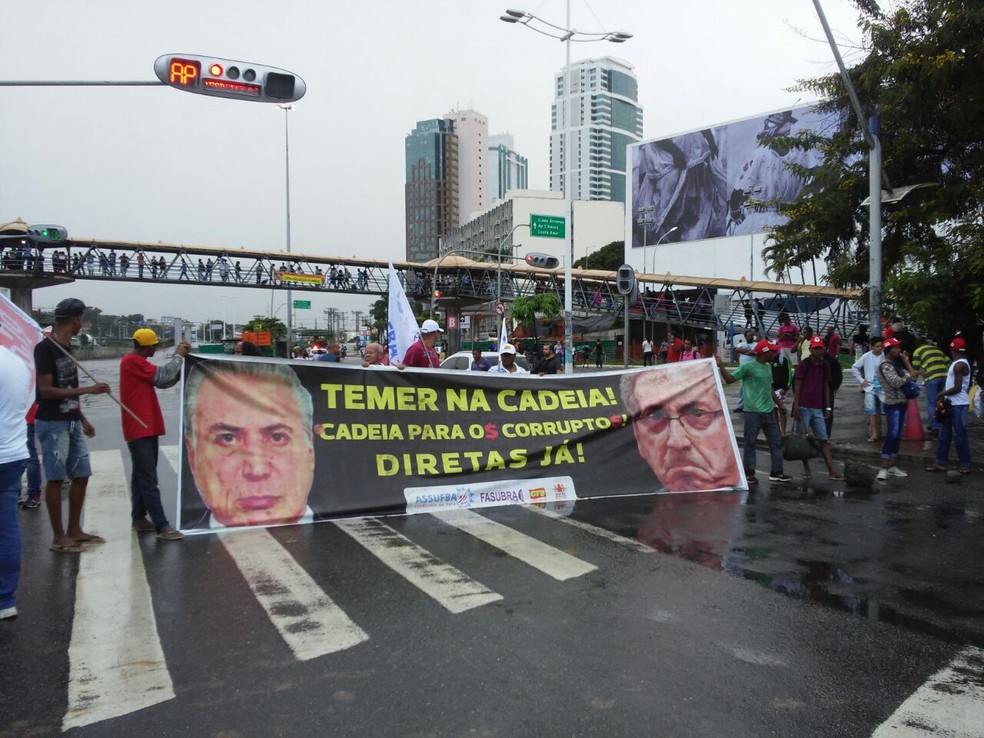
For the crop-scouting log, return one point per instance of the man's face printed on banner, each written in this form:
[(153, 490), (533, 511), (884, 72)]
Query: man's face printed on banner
[(250, 452), (680, 428)]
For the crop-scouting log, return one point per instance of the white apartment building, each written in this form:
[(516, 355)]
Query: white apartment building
[(472, 130), (507, 169), (596, 114)]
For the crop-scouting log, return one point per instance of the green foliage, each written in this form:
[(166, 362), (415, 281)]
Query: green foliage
[(923, 73), (608, 258), (525, 309), (261, 324)]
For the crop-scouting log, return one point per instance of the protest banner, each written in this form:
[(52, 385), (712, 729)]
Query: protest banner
[(270, 442), (20, 333)]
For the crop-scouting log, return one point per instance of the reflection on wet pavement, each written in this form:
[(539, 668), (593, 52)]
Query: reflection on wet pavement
[(912, 560)]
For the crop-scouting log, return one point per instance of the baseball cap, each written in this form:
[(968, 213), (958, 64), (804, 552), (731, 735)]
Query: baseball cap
[(765, 345), (507, 348), (145, 337), (958, 344), (430, 326), (891, 342), (817, 341), (69, 308)]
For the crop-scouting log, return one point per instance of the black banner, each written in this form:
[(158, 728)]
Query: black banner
[(269, 442)]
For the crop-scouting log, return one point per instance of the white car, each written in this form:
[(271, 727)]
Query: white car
[(463, 360)]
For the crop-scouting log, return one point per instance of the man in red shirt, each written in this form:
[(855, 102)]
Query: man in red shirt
[(138, 378), (674, 349), (422, 353)]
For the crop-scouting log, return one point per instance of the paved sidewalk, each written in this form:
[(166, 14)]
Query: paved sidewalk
[(849, 439)]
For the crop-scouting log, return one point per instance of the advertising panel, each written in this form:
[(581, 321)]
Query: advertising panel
[(729, 180), (268, 442)]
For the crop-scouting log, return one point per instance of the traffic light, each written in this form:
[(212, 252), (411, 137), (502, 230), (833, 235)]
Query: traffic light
[(207, 75), (434, 298), (542, 261), (47, 233), (625, 280)]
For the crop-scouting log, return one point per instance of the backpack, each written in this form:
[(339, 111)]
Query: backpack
[(781, 374), (836, 373)]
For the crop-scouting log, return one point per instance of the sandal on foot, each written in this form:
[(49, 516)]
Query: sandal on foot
[(935, 468), (965, 471), (836, 477), (68, 548), (872, 439), (90, 538)]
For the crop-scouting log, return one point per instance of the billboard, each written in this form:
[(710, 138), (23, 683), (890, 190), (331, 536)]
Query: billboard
[(729, 180)]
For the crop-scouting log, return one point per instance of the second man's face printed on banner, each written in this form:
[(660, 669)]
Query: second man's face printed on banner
[(680, 428)]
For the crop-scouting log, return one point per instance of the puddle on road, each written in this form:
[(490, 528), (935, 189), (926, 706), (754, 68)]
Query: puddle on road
[(782, 540)]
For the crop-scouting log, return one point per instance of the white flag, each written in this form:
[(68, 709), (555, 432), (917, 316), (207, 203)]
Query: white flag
[(402, 329), (503, 335)]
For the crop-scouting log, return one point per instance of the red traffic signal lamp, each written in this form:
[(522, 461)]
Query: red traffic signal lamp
[(542, 261), (216, 77)]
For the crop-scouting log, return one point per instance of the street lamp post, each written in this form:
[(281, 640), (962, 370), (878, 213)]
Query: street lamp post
[(498, 266), (290, 321), (565, 34)]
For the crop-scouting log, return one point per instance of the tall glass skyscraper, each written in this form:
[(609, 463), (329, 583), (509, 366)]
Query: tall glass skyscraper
[(596, 101), (431, 191)]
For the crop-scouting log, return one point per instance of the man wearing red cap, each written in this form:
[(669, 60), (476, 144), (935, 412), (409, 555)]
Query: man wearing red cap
[(759, 410), (812, 401), (953, 426)]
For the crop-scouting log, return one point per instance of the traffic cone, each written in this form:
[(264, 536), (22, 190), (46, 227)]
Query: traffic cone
[(913, 430)]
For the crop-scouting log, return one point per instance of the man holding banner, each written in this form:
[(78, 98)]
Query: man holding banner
[(16, 395), (422, 354), (61, 427)]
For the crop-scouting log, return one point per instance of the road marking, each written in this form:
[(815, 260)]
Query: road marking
[(595, 530), (453, 590), (549, 560), (116, 663), (950, 703), (310, 623)]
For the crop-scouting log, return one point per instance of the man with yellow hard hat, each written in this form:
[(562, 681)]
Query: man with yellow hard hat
[(138, 378)]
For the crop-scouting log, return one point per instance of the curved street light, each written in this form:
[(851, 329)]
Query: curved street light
[(567, 35)]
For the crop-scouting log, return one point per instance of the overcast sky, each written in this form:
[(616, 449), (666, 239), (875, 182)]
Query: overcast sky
[(156, 164)]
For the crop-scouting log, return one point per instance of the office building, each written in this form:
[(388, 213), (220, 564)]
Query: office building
[(596, 113), (507, 169), (431, 191), (472, 130)]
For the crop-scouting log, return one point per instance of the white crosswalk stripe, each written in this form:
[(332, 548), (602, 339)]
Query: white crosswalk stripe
[(455, 591), (537, 554), (116, 663), (594, 530), (309, 621), (950, 703)]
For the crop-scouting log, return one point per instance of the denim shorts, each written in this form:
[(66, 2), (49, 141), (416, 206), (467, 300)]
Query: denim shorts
[(811, 418), (873, 403), (64, 453)]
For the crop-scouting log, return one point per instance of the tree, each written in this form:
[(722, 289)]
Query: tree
[(379, 315), (261, 324), (923, 74), (526, 309), (608, 258)]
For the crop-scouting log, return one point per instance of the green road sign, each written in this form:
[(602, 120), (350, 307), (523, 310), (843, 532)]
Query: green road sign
[(302, 304), (546, 226)]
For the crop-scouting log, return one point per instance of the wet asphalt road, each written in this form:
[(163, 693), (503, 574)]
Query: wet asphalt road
[(794, 611)]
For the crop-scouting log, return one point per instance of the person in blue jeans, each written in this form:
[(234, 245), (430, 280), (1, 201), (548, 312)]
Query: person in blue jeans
[(16, 395), (893, 373), (33, 499), (759, 410), (954, 427)]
